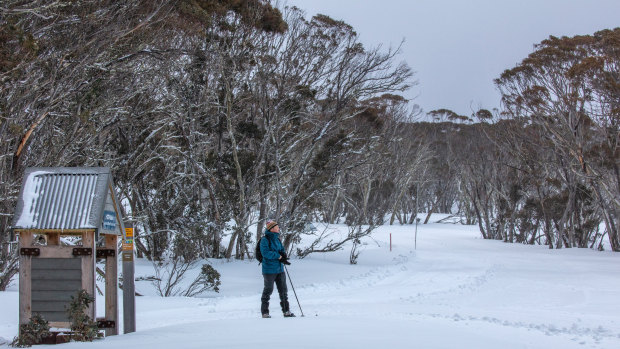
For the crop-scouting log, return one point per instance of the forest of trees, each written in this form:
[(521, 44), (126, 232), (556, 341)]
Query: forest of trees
[(216, 115), (546, 169)]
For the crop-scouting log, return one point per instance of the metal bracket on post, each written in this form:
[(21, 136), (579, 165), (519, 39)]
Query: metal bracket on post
[(105, 252), (82, 251), (29, 251), (106, 324)]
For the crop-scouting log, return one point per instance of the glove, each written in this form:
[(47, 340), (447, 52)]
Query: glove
[(283, 254), (285, 261)]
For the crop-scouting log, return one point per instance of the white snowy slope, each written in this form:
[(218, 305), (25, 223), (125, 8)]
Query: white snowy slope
[(455, 291)]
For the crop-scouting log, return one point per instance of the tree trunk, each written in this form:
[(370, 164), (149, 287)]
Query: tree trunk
[(24, 140), (366, 196), (262, 211), (562, 225), (430, 212), (398, 199), (240, 182), (534, 233), (231, 244), (332, 214)]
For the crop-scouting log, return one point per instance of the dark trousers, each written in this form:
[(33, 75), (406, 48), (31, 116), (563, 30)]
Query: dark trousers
[(280, 281)]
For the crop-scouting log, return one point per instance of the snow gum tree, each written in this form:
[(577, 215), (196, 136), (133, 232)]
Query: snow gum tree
[(569, 88), (543, 170)]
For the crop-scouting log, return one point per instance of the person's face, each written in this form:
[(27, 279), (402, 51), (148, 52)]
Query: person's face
[(275, 229)]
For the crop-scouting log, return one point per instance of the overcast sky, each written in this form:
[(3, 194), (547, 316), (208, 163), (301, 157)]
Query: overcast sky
[(457, 47)]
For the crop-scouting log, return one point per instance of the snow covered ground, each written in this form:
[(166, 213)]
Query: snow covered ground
[(455, 291)]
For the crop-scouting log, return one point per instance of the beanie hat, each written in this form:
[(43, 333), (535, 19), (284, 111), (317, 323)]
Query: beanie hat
[(271, 224)]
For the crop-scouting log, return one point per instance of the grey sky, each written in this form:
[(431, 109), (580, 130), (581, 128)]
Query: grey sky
[(458, 47)]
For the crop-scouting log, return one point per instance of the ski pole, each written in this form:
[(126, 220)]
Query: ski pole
[(293, 287)]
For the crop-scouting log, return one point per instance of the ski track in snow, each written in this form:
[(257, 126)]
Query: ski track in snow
[(576, 331), (471, 284), (370, 278)]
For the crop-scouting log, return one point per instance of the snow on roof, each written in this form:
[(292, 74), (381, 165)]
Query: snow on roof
[(62, 198)]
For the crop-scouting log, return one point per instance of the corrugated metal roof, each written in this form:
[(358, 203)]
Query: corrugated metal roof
[(62, 198)]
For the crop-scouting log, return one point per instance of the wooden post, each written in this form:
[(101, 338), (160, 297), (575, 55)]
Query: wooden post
[(111, 285), (25, 279), (53, 239), (88, 271)]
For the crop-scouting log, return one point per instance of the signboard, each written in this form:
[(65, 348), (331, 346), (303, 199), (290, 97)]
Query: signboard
[(109, 220), (128, 245)]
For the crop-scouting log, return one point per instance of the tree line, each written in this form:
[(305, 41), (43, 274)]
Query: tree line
[(545, 169)]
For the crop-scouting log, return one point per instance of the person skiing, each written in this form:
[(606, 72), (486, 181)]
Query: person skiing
[(274, 257)]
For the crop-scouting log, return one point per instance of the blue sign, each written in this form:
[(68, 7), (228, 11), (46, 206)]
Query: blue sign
[(109, 220)]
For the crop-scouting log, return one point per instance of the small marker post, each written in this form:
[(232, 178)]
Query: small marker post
[(417, 220)]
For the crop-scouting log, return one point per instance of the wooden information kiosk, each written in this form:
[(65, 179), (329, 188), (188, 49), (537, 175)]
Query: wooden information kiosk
[(67, 218)]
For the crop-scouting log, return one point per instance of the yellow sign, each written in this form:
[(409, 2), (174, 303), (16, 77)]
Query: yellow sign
[(129, 233)]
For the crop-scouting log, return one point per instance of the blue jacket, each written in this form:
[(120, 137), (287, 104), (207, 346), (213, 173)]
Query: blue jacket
[(270, 248)]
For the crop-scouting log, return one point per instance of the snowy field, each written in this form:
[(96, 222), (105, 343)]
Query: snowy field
[(455, 291)]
